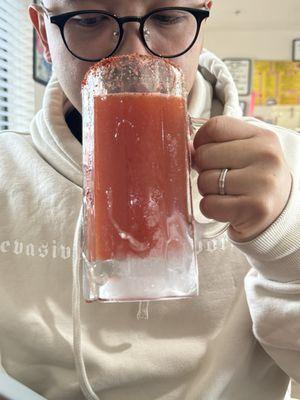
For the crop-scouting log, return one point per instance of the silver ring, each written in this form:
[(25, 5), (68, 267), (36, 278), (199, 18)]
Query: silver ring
[(222, 178)]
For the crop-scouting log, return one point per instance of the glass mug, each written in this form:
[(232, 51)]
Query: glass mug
[(138, 234)]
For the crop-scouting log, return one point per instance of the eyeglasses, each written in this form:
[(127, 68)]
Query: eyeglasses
[(92, 35)]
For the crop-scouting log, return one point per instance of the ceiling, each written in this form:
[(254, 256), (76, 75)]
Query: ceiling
[(255, 14)]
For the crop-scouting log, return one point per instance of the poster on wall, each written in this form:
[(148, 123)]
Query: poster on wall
[(240, 70), (41, 69), (296, 50), (276, 82)]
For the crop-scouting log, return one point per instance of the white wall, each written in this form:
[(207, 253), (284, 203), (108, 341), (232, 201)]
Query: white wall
[(263, 45)]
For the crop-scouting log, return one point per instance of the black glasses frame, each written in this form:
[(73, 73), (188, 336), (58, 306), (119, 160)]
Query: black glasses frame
[(60, 21)]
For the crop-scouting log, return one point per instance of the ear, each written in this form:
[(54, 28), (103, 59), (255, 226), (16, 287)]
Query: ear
[(37, 20)]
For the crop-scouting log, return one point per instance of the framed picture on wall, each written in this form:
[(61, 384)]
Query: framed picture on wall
[(241, 71), (296, 49), (41, 69)]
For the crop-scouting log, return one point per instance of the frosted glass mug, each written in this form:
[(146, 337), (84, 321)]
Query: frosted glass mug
[(138, 226)]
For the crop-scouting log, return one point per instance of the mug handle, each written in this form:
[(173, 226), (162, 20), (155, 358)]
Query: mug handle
[(212, 229)]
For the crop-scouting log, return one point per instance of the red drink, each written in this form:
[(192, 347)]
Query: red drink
[(140, 177), (138, 239)]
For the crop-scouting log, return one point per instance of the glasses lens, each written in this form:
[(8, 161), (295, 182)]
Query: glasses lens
[(91, 36), (170, 32)]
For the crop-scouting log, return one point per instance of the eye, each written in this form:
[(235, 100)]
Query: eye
[(168, 18), (90, 20)]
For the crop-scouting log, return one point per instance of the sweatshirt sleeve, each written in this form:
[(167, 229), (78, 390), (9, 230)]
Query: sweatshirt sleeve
[(273, 284)]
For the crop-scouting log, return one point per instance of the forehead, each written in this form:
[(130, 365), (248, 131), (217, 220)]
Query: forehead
[(118, 4)]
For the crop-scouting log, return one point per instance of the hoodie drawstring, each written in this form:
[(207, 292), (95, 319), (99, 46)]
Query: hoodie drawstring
[(76, 295)]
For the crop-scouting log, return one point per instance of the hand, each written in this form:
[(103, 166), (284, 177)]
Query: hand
[(257, 184)]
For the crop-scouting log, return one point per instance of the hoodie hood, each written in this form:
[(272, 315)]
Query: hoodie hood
[(213, 93)]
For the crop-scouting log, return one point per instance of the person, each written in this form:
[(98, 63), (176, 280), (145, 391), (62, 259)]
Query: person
[(237, 340)]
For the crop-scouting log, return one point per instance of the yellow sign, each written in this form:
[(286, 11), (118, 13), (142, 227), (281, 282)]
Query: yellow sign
[(276, 82)]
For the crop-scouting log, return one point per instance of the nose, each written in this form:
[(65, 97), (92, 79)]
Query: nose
[(131, 42)]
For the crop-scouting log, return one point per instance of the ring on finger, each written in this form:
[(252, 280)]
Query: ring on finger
[(221, 182)]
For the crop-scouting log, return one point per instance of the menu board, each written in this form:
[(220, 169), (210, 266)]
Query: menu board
[(276, 82)]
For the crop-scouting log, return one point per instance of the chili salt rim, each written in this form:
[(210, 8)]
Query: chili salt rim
[(112, 61)]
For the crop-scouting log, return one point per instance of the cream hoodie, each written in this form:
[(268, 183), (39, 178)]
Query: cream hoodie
[(238, 340)]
